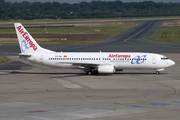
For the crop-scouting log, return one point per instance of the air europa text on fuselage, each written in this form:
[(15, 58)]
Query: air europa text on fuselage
[(26, 37), (119, 56)]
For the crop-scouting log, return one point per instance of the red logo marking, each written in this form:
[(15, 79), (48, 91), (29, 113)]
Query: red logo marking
[(26, 37), (119, 56)]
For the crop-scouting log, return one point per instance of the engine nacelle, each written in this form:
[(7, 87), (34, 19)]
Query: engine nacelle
[(106, 69)]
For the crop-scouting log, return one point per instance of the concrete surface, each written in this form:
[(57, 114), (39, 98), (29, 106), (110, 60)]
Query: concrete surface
[(33, 92)]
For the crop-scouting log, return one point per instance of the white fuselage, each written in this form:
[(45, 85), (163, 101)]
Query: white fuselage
[(120, 60)]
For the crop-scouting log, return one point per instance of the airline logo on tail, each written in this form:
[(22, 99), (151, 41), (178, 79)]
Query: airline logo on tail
[(24, 46), (27, 38)]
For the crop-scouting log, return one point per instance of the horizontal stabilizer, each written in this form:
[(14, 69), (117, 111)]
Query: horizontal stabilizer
[(24, 55)]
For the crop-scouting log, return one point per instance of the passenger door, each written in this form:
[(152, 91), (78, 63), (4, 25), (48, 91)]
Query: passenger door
[(42, 59), (154, 60)]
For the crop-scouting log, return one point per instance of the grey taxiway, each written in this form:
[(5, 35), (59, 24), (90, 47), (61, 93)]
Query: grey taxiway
[(33, 92)]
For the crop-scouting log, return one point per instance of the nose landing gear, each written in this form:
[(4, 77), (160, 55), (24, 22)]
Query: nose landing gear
[(158, 70)]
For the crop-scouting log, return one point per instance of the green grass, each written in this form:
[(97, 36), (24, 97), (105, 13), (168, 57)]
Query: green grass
[(3, 59), (7, 30), (171, 23), (167, 35), (106, 28), (74, 34), (90, 19)]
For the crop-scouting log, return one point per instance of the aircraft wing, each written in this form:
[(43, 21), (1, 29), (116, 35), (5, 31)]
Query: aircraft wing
[(80, 65), (86, 64)]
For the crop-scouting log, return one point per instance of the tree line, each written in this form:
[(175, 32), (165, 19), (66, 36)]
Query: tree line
[(95, 9)]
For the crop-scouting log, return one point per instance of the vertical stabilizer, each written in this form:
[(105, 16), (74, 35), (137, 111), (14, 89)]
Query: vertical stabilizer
[(26, 42)]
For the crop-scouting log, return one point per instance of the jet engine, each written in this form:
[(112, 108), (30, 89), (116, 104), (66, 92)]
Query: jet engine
[(106, 69)]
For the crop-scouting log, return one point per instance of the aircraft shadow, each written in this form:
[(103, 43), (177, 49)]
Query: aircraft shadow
[(84, 74)]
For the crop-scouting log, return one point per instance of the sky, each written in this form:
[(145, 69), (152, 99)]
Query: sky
[(77, 1)]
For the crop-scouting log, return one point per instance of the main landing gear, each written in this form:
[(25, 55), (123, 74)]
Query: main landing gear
[(92, 72), (157, 73), (89, 72)]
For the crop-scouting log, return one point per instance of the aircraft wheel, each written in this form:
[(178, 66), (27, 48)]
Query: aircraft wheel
[(157, 72), (89, 73)]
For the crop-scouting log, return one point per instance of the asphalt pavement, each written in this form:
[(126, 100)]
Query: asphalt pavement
[(33, 92)]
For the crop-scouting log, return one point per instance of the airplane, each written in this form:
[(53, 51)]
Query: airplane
[(90, 62)]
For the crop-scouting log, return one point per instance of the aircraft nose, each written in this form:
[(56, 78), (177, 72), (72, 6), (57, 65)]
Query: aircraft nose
[(171, 63)]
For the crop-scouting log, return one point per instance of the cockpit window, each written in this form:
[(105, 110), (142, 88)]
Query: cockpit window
[(164, 58)]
